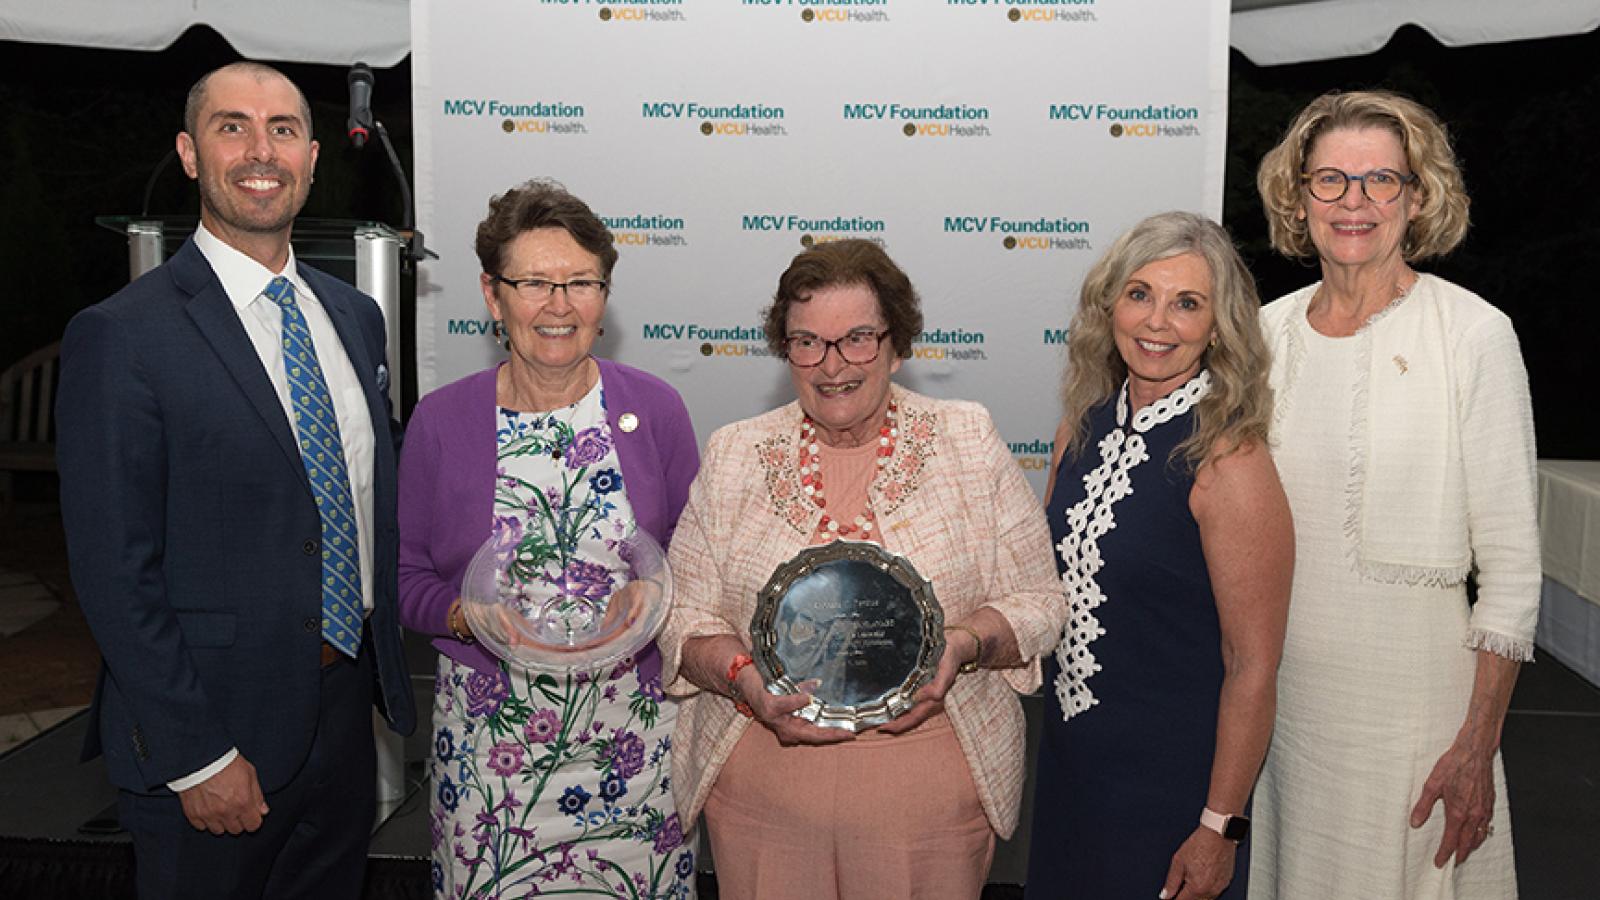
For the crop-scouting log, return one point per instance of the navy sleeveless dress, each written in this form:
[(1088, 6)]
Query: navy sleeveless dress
[(1131, 692)]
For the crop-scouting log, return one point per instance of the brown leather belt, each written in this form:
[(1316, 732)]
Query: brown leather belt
[(330, 655)]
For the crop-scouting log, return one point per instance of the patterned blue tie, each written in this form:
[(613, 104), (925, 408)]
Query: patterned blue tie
[(317, 429)]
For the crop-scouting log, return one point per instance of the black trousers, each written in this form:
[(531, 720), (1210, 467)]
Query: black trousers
[(312, 844)]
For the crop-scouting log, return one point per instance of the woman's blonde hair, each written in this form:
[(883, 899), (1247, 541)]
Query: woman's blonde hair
[(1441, 219), (1239, 404)]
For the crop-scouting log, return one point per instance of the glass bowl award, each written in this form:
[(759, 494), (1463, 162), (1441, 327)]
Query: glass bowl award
[(566, 615)]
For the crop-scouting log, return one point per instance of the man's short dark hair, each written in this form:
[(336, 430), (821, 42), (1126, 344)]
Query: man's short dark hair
[(260, 71)]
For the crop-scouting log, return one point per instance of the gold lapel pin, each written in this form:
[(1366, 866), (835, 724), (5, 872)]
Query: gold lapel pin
[(628, 422)]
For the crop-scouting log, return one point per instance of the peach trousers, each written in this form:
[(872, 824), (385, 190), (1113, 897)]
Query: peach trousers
[(879, 818)]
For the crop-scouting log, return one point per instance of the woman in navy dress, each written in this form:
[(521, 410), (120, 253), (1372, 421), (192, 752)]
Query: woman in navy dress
[(1174, 541)]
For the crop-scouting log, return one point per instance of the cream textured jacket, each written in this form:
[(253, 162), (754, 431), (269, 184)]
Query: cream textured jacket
[(1441, 479), (952, 500)]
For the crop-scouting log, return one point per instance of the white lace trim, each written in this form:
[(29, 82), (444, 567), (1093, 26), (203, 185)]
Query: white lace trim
[(1089, 520), (1356, 478), (1294, 359), (1356, 473), (1499, 644), (1167, 408), (1405, 574), (1294, 355)]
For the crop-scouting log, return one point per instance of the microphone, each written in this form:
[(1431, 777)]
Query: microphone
[(362, 125), (360, 119)]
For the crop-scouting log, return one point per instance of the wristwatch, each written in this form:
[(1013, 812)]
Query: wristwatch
[(1234, 828)]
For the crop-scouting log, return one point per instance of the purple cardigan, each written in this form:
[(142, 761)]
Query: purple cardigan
[(447, 468)]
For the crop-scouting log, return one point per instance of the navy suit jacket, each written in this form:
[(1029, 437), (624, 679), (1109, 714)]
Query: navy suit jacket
[(192, 533)]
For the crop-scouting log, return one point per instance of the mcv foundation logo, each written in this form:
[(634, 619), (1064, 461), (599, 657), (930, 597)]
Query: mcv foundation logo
[(829, 12), (542, 117), (1069, 12), (627, 10), (731, 341), (646, 231), (1059, 233), (1148, 121), (1034, 455), (815, 229), (943, 120), (950, 345), (733, 120), (477, 328)]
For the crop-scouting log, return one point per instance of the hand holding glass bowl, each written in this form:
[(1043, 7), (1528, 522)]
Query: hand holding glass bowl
[(588, 618)]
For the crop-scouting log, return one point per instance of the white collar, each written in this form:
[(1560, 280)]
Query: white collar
[(243, 279), (1167, 408)]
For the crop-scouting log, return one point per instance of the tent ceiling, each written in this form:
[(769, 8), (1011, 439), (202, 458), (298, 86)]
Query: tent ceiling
[(340, 32), (1275, 32)]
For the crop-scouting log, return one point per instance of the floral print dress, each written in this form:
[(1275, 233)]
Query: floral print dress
[(550, 784)]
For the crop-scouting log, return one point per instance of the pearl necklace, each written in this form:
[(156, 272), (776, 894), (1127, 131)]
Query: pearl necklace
[(811, 474)]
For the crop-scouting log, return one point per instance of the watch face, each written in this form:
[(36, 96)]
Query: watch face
[(1237, 829)]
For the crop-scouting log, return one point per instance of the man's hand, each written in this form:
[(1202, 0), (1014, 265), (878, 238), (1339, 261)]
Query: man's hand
[(228, 802)]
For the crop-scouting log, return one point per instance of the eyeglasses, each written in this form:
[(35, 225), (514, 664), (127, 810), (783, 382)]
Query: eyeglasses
[(1380, 185), (538, 290), (857, 348)]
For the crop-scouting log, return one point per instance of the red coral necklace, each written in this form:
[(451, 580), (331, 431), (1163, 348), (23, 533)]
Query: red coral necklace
[(811, 474)]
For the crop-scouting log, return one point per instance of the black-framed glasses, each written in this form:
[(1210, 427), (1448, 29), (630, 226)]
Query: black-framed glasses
[(538, 290), (857, 348), (1380, 185)]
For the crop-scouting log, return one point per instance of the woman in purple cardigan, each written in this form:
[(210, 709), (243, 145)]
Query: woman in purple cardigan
[(538, 780)]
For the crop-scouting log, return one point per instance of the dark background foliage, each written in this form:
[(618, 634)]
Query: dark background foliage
[(84, 129)]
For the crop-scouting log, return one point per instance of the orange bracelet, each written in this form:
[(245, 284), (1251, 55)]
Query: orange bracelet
[(737, 666), (734, 668)]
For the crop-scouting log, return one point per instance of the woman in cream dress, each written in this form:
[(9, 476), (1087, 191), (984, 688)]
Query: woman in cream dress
[(1404, 438)]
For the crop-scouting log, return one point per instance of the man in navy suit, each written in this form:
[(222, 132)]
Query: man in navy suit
[(232, 710)]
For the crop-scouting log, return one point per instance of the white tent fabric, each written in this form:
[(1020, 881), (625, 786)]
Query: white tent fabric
[(1276, 32), (336, 32), (340, 32)]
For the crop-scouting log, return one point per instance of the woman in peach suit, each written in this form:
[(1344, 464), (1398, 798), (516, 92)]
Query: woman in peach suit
[(911, 808)]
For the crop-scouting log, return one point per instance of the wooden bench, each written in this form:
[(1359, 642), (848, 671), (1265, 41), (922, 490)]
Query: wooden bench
[(27, 418)]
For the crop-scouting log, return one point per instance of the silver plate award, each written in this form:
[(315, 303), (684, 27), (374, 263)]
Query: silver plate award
[(857, 619)]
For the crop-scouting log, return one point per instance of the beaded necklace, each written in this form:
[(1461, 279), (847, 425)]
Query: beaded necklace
[(811, 474)]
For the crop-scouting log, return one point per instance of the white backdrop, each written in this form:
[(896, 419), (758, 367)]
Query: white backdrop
[(995, 148)]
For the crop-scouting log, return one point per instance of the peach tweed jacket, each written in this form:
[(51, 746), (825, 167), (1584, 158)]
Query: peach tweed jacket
[(952, 500)]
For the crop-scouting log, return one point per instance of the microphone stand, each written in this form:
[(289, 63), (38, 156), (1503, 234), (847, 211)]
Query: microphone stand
[(414, 249), (360, 122), (150, 183)]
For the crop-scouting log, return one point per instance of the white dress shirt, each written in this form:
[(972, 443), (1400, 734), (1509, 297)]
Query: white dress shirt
[(244, 280)]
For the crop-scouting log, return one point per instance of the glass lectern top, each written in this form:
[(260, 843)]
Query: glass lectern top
[(324, 239)]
